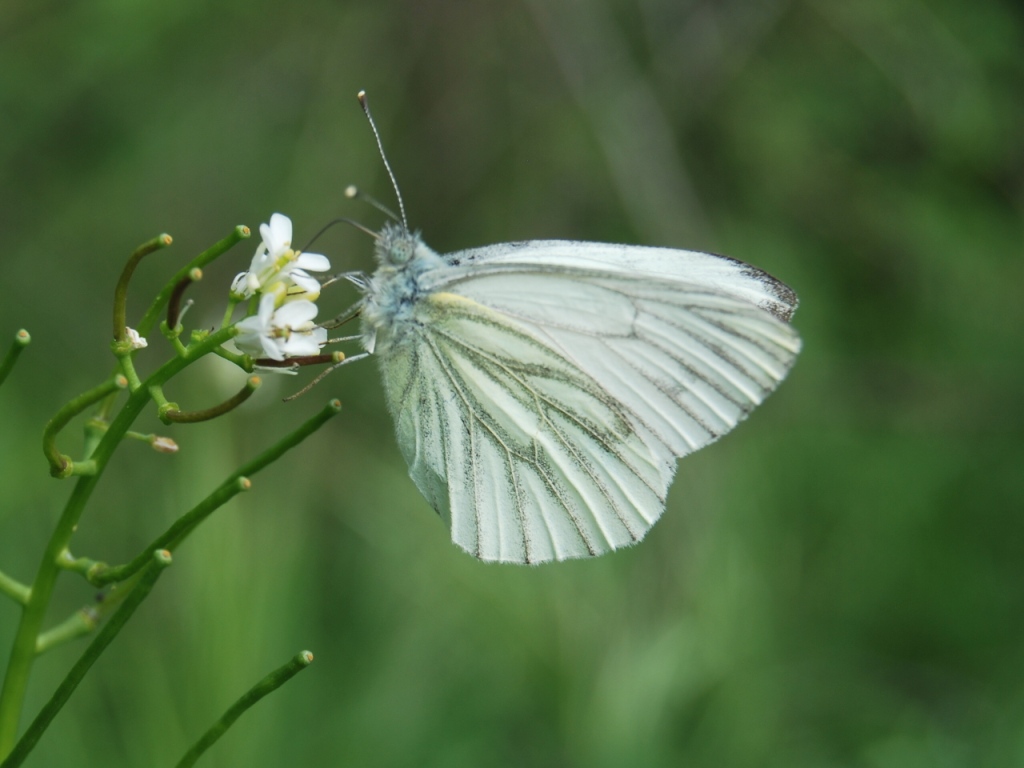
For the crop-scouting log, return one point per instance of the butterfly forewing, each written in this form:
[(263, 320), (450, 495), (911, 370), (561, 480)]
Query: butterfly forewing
[(687, 358), (543, 390), (721, 274)]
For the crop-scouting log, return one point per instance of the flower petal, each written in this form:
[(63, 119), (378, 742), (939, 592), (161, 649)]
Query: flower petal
[(295, 314), (301, 344), (281, 229), (307, 283), (249, 343), (272, 348), (137, 341), (266, 310), (314, 262), (268, 237), (260, 260)]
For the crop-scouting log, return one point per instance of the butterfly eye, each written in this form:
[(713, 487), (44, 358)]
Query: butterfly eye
[(401, 251), (395, 246)]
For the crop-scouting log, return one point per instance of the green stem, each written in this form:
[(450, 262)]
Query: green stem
[(242, 361), (81, 622), (168, 415), (61, 465), (87, 618), (159, 443), (123, 353), (268, 684), (14, 589), (153, 313), (174, 301), (121, 291), (157, 393), (94, 430), (21, 340), (160, 560), (173, 335), (235, 483), (23, 649), (80, 565), (174, 535), (230, 310), (156, 308)]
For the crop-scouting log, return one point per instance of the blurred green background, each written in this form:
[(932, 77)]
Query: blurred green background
[(838, 583)]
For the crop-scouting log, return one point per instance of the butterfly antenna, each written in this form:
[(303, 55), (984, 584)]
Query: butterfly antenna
[(380, 146), (330, 224), (353, 192)]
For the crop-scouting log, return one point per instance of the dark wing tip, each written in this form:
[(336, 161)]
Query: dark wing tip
[(783, 301), (785, 298)]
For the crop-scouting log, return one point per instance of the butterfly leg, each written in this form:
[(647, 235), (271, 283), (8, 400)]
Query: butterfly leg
[(320, 376), (347, 316)]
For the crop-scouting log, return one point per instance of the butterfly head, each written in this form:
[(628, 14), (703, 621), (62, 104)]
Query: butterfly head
[(396, 245)]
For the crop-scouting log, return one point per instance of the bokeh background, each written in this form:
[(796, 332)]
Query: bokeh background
[(840, 582)]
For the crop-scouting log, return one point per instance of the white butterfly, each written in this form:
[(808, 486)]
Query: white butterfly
[(542, 391)]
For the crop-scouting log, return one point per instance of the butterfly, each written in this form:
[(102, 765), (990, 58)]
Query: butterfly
[(543, 391)]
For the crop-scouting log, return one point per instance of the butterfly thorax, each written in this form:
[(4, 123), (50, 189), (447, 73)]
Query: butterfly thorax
[(393, 290)]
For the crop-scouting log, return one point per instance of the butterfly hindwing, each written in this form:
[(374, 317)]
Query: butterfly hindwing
[(536, 462)]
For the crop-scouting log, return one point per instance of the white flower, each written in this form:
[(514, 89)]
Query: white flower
[(276, 268), (137, 342), (280, 333)]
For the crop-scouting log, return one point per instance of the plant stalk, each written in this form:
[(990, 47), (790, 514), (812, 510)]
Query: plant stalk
[(23, 650)]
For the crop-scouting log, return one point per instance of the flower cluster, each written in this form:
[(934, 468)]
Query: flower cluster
[(277, 268), (282, 326)]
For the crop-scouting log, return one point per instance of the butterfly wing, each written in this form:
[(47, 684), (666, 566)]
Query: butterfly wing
[(545, 389), (710, 271)]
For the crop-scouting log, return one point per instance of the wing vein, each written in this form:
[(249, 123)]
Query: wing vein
[(537, 465), (588, 429)]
